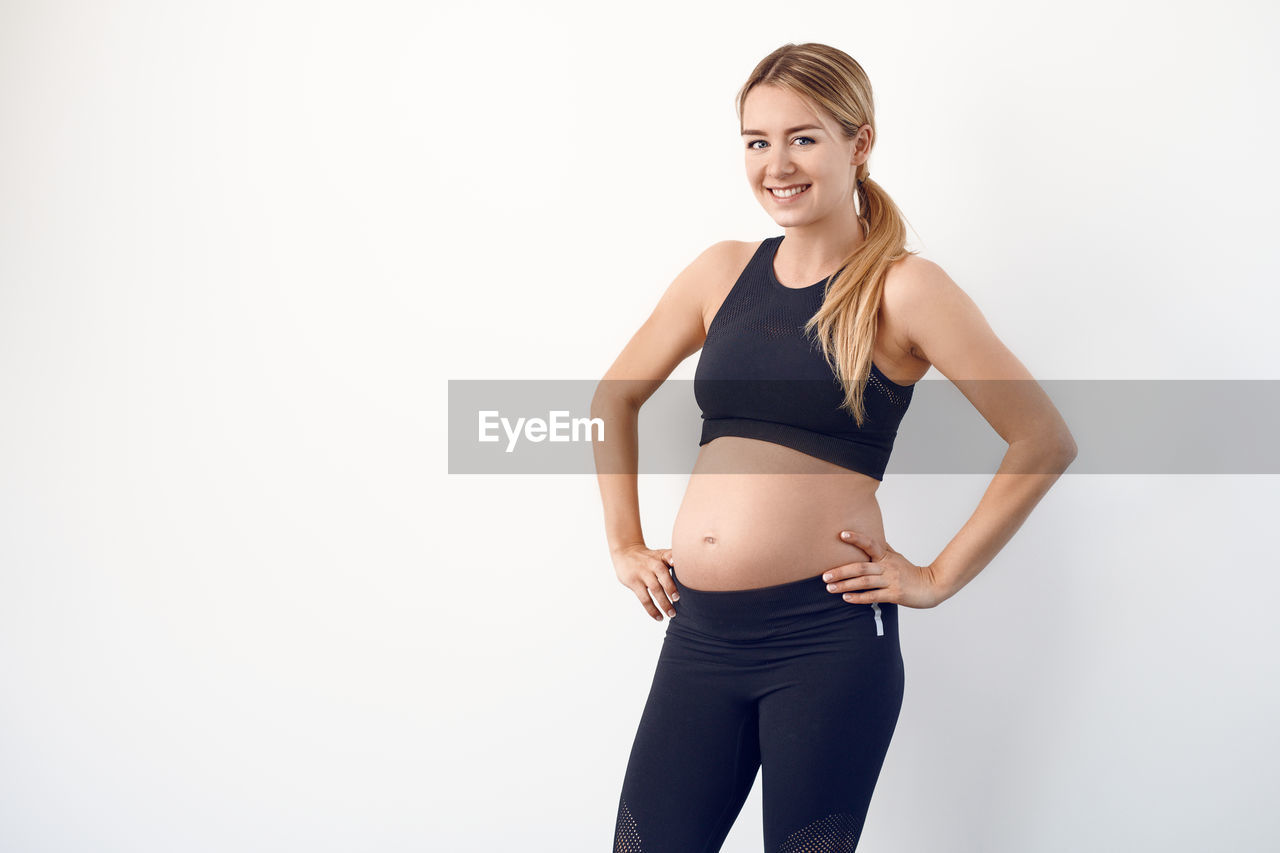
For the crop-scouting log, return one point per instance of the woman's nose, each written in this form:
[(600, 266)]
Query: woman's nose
[(780, 162)]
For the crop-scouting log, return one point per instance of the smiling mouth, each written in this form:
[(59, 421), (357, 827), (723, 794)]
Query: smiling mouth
[(789, 192)]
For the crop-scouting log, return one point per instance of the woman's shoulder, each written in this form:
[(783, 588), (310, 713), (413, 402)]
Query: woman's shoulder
[(913, 280), (712, 274), (923, 303), (911, 267), (723, 262), (914, 286), (730, 252)]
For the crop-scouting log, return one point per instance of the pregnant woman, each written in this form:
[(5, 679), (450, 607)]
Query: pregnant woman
[(781, 655)]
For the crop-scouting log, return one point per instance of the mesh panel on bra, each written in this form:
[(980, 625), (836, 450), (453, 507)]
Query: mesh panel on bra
[(772, 321), (762, 318), (625, 837), (896, 399), (835, 833)]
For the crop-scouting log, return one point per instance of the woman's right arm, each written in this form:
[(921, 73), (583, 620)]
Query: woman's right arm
[(673, 332)]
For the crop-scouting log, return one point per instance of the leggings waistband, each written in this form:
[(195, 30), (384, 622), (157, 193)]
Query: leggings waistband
[(747, 614)]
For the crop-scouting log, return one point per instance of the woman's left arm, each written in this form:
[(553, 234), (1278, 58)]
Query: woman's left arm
[(947, 329)]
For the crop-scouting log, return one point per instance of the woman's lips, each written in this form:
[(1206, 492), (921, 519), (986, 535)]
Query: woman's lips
[(791, 198)]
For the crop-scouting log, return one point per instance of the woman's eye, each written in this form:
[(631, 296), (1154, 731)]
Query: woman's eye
[(753, 143)]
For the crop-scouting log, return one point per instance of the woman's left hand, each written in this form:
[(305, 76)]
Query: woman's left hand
[(889, 577)]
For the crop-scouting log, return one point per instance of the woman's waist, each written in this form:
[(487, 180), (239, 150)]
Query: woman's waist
[(742, 531), (713, 557)]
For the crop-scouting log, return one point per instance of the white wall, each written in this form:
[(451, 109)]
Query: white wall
[(243, 246)]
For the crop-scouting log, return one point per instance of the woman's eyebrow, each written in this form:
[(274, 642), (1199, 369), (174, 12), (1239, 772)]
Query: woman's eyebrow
[(785, 133)]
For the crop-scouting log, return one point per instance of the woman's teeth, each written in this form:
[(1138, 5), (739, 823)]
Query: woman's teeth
[(789, 193)]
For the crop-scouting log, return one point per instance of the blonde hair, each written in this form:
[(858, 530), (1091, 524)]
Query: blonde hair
[(846, 323)]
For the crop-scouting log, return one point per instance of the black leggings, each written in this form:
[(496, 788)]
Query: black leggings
[(790, 678)]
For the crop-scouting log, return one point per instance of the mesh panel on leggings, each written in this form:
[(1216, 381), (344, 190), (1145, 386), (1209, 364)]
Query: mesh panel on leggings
[(625, 837), (835, 833)]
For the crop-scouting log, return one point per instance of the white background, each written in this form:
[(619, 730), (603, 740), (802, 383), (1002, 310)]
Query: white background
[(244, 245)]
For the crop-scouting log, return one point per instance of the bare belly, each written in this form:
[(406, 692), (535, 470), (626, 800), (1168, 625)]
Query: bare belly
[(769, 525)]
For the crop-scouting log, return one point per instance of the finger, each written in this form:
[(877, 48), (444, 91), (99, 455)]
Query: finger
[(669, 592), (668, 557), (855, 580), (659, 595), (865, 591), (852, 585), (835, 576), (842, 571), (857, 540), (874, 549), (642, 593)]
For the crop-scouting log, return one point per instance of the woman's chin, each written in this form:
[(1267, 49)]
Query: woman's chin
[(787, 219)]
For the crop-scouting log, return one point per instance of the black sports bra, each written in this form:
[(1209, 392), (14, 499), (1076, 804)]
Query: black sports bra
[(760, 377)]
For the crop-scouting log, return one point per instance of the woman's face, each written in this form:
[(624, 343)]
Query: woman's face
[(792, 145)]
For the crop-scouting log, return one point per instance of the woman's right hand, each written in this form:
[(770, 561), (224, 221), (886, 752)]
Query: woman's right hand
[(644, 571)]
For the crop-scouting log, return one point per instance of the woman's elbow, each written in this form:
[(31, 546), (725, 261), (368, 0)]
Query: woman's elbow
[(612, 393), (1064, 449)]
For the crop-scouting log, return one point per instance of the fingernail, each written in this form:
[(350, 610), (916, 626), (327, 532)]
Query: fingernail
[(846, 534), (671, 613), (827, 576), (675, 596)]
